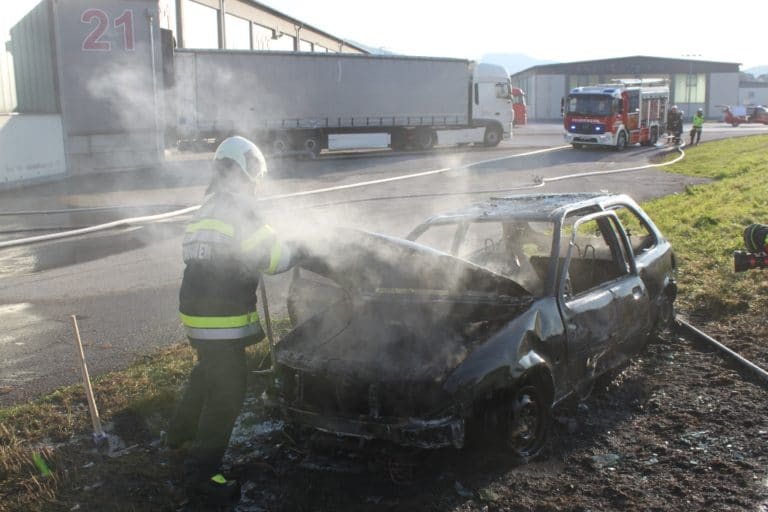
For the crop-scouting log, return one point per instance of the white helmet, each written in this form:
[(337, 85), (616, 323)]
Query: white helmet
[(245, 154)]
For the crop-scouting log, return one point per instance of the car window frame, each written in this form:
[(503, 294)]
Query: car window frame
[(619, 246)]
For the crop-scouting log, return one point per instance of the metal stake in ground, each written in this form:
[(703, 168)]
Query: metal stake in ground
[(98, 432)]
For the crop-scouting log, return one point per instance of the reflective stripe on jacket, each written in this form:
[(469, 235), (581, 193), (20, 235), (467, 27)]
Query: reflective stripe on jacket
[(226, 247)]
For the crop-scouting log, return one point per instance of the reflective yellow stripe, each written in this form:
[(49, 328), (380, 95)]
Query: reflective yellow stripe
[(213, 225), (219, 322), (277, 249), (255, 239), (219, 479)]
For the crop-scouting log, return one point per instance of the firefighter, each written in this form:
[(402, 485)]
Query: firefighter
[(675, 124), (698, 122), (226, 248)]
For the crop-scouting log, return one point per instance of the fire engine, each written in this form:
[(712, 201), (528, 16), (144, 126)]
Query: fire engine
[(627, 111)]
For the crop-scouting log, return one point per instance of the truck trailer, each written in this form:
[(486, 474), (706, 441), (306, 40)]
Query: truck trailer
[(294, 101)]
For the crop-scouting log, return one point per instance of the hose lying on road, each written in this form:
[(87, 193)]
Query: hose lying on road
[(540, 182), (755, 370), (100, 227)]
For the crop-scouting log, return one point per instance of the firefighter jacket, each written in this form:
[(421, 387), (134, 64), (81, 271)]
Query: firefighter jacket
[(226, 248), (698, 121)]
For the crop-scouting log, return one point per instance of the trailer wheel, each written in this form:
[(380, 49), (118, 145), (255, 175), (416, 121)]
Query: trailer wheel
[(424, 139), (280, 145), (312, 145), (492, 136), (397, 140)]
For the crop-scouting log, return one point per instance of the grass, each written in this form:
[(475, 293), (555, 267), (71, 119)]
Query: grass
[(704, 223), (57, 427)]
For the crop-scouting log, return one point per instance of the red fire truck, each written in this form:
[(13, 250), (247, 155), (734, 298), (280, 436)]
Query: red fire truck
[(519, 106), (628, 111)]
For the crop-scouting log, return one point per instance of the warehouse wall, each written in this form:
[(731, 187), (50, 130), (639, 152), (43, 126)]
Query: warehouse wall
[(31, 138), (110, 74)]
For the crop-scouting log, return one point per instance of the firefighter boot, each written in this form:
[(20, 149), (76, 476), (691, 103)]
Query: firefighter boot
[(217, 489)]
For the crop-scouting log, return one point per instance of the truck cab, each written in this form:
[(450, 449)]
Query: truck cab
[(492, 102)]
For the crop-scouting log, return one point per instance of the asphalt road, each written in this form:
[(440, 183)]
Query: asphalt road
[(122, 284)]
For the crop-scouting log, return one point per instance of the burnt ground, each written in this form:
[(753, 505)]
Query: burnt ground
[(678, 429)]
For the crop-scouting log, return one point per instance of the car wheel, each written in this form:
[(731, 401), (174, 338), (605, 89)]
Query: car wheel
[(621, 142), (528, 423)]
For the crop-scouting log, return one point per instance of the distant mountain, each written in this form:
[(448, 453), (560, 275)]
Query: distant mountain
[(757, 71), (514, 62)]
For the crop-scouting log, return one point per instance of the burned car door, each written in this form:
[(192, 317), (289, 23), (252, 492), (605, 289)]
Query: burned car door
[(604, 303)]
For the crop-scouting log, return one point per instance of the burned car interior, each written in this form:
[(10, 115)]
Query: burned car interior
[(489, 315)]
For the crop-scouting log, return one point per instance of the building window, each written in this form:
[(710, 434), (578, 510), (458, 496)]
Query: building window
[(305, 46), (201, 25), (238, 33), (690, 88), (262, 37)]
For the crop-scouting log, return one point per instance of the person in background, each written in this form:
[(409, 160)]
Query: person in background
[(675, 124), (226, 249), (698, 122)]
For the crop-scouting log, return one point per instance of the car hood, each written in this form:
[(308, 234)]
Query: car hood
[(376, 308)]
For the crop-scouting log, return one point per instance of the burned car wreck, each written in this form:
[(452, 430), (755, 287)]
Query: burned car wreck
[(481, 320)]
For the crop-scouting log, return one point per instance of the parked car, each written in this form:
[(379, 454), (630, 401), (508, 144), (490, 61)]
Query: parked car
[(745, 114), (480, 320)]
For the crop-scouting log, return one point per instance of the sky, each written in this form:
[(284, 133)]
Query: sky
[(733, 31)]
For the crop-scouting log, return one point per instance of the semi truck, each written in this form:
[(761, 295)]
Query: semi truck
[(627, 111), (291, 102)]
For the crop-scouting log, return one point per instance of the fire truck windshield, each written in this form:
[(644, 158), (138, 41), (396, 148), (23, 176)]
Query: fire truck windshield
[(590, 104)]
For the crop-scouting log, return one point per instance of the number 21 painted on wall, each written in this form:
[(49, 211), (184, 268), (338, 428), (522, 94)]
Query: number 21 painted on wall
[(94, 42)]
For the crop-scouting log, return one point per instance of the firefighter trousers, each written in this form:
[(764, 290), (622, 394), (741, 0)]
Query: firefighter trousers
[(695, 134), (209, 407)]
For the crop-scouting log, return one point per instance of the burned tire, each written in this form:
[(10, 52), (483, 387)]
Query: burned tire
[(528, 422), (492, 136)]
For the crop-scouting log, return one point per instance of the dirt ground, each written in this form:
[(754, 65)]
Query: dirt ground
[(679, 429)]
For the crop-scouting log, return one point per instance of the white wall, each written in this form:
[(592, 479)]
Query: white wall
[(31, 147)]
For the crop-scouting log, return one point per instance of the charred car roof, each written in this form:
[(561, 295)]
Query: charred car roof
[(526, 206)]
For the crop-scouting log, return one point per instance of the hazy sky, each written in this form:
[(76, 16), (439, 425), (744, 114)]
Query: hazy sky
[(733, 31)]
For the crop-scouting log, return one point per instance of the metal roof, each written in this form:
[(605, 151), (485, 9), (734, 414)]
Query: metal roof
[(635, 65)]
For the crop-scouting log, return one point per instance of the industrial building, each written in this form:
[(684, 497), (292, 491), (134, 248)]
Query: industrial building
[(693, 83), (84, 85)]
